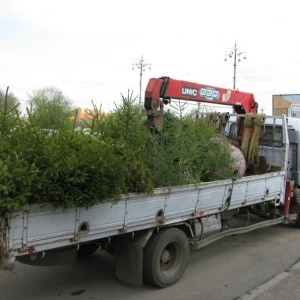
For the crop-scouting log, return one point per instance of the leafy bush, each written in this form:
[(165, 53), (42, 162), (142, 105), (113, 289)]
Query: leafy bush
[(122, 154), (185, 152), (126, 130)]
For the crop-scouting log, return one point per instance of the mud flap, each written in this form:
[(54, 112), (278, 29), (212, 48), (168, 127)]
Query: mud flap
[(129, 257)]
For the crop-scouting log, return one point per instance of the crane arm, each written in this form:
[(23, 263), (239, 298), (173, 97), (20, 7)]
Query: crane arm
[(160, 91)]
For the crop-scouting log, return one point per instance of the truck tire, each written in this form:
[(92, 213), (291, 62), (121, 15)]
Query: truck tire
[(297, 223), (165, 257)]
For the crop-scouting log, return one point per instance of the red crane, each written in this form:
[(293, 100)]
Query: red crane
[(160, 91)]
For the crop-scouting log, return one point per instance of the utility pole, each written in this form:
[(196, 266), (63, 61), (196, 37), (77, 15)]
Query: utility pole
[(237, 54), (141, 64)]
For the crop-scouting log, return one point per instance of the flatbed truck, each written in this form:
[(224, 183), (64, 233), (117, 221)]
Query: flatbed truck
[(151, 236)]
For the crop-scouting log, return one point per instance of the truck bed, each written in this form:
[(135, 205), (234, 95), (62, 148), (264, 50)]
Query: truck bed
[(41, 227)]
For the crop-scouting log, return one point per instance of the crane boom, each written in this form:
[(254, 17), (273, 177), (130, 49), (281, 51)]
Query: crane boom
[(160, 91)]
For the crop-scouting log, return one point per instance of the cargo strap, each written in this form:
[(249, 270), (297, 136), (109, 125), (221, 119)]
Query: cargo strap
[(228, 200), (253, 155), (246, 133)]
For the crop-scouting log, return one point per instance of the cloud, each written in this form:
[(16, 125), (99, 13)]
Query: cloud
[(87, 48)]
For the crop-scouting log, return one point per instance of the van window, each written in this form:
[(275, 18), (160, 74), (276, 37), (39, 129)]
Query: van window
[(232, 130), (270, 136)]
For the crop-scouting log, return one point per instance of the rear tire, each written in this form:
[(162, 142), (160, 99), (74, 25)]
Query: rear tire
[(297, 223), (165, 257)]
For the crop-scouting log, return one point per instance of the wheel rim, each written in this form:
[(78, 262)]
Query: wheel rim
[(169, 259)]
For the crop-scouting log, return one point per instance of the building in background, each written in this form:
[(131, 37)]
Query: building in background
[(83, 114), (287, 104)]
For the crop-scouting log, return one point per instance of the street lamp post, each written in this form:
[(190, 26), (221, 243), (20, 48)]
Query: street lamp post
[(237, 54), (141, 64)]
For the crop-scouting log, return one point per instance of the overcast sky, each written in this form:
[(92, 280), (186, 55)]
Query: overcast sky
[(87, 48)]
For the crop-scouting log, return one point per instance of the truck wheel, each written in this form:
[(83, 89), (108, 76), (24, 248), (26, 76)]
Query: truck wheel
[(165, 257), (297, 223)]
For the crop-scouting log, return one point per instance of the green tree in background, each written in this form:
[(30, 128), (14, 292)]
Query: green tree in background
[(52, 108), (8, 111), (11, 102)]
